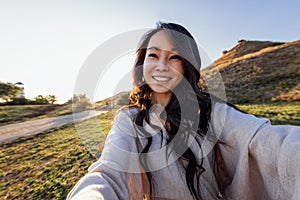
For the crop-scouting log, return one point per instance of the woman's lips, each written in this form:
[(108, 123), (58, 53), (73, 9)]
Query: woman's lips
[(161, 78)]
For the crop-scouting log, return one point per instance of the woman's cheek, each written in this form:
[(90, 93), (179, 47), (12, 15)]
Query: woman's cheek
[(178, 65), (147, 72)]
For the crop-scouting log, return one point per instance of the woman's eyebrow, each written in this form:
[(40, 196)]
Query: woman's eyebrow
[(159, 49), (153, 48)]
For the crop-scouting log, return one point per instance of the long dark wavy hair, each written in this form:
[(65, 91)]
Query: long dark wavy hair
[(197, 108)]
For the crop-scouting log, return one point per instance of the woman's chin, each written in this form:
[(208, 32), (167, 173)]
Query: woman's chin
[(160, 89)]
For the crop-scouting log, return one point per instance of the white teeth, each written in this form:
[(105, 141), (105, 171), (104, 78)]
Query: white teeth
[(160, 78)]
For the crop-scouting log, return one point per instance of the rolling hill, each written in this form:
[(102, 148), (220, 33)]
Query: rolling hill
[(257, 71)]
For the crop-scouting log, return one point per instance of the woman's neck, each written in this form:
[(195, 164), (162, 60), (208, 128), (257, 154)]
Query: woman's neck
[(161, 99)]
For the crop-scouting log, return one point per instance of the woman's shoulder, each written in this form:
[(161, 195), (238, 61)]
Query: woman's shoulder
[(122, 126), (126, 112), (124, 118), (231, 112), (226, 116), (234, 128)]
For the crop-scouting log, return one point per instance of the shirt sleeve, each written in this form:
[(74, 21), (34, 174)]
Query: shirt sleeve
[(115, 174), (262, 160)]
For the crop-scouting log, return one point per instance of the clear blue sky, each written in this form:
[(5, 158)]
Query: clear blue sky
[(44, 43)]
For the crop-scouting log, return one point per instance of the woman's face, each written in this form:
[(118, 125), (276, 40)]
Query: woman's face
[(163, 67)]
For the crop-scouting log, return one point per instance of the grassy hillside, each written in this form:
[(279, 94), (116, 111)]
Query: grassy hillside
[(243, 48), (115, 101), (278, 113), (20, 113), (255, 72)]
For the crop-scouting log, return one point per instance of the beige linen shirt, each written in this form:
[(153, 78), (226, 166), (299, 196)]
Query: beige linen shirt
[(258, 161)]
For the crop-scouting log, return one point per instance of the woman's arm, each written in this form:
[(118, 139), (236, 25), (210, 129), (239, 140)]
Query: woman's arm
[(112, 176), (262, 160)]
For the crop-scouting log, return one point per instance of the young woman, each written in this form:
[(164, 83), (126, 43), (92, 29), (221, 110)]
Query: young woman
[(177, 142)]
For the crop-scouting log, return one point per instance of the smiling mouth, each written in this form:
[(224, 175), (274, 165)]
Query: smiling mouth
[(161, 78)]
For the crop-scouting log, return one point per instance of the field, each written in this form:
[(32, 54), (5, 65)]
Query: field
[(21, 113), (48, 165), (278, 113)]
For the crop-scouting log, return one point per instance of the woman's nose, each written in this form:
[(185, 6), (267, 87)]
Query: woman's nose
[(162, 65)]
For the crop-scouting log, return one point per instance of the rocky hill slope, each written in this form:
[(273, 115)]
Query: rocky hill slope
[(256, 71)]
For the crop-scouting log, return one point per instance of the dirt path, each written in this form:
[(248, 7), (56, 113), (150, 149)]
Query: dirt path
[(11, 132)]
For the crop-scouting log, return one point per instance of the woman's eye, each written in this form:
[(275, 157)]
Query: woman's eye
[(152, 55), (175, 57)]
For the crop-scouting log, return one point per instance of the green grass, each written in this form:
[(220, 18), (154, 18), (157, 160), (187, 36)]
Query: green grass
[(20, 113), (47, 166), (279, 113)]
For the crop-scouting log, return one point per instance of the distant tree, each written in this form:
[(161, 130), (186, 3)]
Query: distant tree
[(9, 91), (80, 102), (51, 98), (122, 99), (40, 99)]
